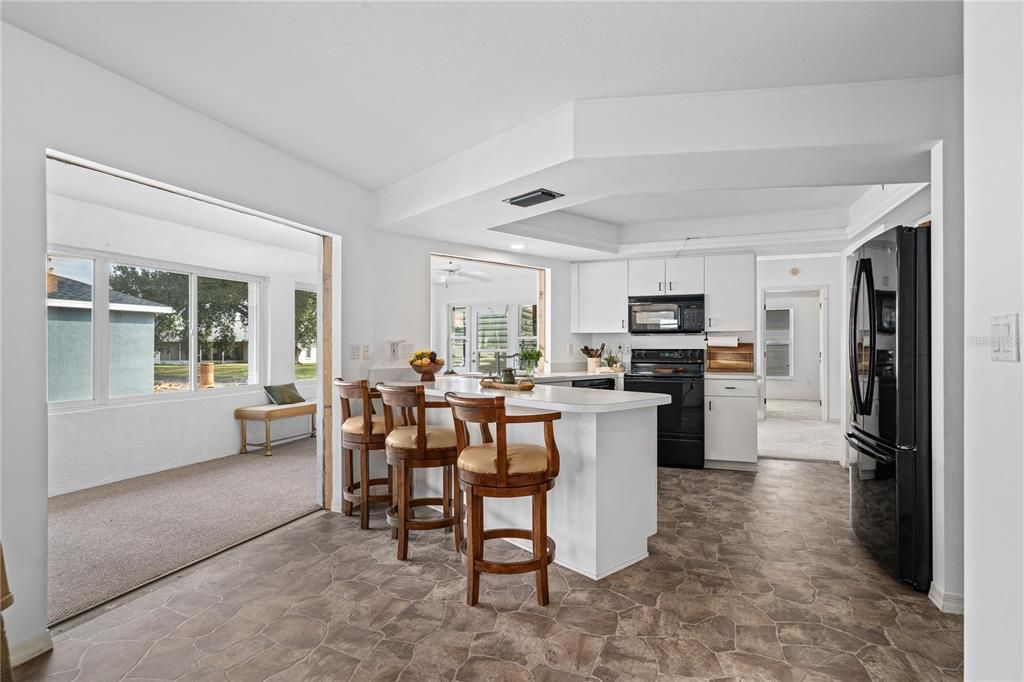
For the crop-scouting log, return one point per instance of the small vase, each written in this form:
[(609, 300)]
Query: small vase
[(593, 365)]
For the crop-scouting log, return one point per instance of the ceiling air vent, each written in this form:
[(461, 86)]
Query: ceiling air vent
[(537, 196)]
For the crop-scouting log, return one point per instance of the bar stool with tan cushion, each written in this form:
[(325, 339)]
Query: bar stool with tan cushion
[(502, 469), (412, 444), (363, 433)]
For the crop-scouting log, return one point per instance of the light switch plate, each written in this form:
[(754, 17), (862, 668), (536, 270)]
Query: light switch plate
[(355, 352), (1005, 338)]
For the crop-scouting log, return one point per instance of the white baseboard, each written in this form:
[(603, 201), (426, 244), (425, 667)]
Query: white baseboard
[(729, 466), (947, 602), (30, 648)]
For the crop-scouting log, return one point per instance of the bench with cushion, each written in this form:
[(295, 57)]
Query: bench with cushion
[(269, 413)]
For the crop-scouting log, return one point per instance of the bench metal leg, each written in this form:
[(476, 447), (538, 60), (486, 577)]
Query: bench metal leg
[(267, 451), (245, 441)]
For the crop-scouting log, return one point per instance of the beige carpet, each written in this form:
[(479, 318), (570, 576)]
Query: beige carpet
[(794, 430), (107, 540)]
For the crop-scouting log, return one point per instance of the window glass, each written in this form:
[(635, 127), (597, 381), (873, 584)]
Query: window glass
[(305, 334), (148, 331), (457, 337), (222, 332), (491, 338), (778, 338), (69, 323)]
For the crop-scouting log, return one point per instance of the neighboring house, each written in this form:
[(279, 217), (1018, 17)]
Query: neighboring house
[(69, 306)]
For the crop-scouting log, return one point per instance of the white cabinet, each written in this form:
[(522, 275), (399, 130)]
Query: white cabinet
[(666, 276), (647, 277), (730, 430), (601, 305), (730, 293), (684, 275)]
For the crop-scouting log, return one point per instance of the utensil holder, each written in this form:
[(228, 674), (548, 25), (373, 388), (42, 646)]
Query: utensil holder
[(593, 365)]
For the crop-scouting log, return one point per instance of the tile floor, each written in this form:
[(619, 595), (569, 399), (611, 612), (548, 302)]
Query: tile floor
[(750, 577)]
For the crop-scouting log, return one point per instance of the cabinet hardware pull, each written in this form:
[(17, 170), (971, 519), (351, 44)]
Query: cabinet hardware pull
[(623, 324), (659, 286), (731, 388), (670, 286), (709, 406)]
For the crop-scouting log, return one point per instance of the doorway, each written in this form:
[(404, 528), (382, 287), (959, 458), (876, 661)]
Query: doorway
[(166, 313), (487, 316), (794, 376)]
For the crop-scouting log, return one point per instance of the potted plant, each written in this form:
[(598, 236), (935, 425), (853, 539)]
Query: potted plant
[(613, 361), (528, 359)]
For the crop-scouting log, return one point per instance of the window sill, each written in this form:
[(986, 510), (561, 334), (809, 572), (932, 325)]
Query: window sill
[(156, 399)]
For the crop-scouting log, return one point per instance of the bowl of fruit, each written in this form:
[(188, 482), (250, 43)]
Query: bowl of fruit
[(427, 363)]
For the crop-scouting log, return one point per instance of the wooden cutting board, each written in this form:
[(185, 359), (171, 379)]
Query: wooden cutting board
[(738, 358)]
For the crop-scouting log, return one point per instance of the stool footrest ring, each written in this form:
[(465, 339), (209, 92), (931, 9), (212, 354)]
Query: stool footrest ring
[(422, 524), (351, 493), (525, 566)]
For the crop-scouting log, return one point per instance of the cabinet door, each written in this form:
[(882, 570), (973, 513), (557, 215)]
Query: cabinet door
[(730, 293), (730, 429), (647, 277), (684, 275), (602, 297)]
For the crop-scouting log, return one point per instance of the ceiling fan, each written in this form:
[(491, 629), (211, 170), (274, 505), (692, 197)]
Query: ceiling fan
[(453, 271)]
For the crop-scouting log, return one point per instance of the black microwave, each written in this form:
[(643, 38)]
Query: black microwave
[(666, 314)]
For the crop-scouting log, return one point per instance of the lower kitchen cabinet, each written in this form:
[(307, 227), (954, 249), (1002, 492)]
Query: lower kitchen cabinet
[(730, 431)]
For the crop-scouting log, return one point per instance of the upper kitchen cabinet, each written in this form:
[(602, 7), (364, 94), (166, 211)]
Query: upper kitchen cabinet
[(684, 275), (666, 276), (647, 277), (730, 292), (600, 296)]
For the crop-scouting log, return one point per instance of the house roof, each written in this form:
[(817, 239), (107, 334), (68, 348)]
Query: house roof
[(72, 291)]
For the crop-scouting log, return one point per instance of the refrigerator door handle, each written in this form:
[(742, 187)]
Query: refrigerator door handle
[(873, 331), (854, 304)]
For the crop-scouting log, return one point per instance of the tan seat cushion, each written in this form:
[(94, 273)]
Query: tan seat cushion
[(355, 425), (405, 437), (523, 458)]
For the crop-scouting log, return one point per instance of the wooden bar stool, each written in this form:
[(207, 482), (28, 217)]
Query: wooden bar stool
[(503, 469), (412, 445), (362, 433)]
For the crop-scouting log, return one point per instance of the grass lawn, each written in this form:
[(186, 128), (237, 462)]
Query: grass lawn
[(228, 373)]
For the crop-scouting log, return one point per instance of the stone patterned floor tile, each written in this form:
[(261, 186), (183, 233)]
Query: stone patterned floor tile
[(750, 577)]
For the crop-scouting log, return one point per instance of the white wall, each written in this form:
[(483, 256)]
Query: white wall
[(95, 444), (52, 99), (805, 384), (814, 272), (993, 391)]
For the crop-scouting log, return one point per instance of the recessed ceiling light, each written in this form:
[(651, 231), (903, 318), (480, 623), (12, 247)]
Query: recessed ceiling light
[(517, 246)]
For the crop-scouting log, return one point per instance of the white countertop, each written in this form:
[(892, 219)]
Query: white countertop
[(560, 398), (539, 378)]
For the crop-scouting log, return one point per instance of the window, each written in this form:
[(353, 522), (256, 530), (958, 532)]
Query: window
[(457, 321), (148, 331), (778, 341), (527, 327), (69, 328), (305, 334), (479, 335), (164, 329)]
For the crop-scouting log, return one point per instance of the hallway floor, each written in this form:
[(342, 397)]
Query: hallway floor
[(753, 577), (793, 430)]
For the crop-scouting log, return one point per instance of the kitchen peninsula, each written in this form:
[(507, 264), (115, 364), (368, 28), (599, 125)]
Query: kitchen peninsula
[(604, 503)]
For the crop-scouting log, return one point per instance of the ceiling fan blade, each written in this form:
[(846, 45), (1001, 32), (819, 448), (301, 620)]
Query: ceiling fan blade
[(478, 278)]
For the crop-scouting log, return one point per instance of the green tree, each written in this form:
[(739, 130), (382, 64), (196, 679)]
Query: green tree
[(223, 305), (305, 321)]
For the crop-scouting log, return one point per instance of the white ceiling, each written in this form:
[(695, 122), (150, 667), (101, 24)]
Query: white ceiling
[(94, 187), (377, 91), (695, 205)]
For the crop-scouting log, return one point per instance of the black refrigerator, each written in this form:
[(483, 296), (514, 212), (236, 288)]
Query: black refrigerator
[(889, 359)]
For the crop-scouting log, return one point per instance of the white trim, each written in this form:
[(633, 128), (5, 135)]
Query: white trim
[(879, 210), (728, 465), (947, 602), (795, 256), (22, 652), (124, 307)]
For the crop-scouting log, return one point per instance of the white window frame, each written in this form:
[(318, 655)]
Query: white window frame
[(512, 320), (102, 260), (313, 289), (775, 377)]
